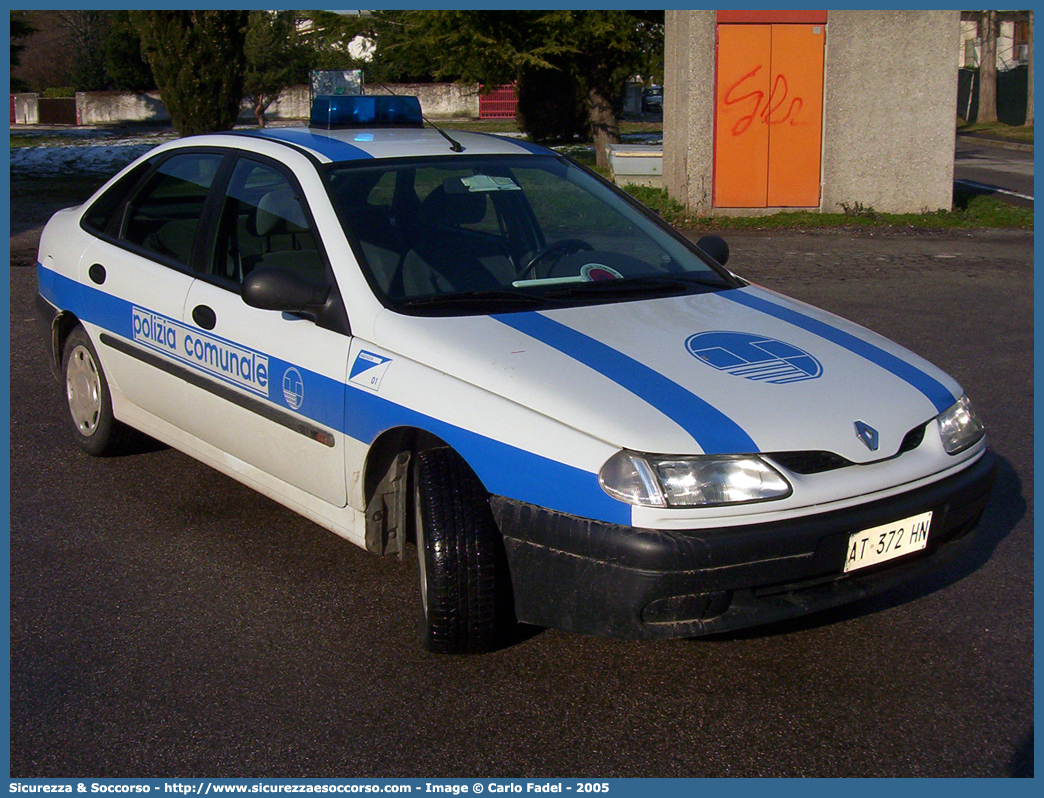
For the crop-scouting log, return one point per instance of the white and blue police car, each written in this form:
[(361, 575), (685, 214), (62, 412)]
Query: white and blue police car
[(472, 345)]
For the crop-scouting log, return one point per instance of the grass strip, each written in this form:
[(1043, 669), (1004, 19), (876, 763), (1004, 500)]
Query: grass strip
[(998, 130), (971, 210)]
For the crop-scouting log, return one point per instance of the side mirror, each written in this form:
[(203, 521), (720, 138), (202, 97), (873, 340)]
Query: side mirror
[(271, 288), (716, 247)]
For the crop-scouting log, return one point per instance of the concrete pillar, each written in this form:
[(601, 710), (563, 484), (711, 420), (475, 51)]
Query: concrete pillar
[(889, 107), (688, 108)]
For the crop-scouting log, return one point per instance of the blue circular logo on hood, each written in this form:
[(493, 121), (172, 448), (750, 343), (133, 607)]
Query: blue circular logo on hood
[(754, 357)]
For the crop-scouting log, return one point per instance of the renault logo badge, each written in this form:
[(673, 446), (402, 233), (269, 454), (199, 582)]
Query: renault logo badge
[(867, 435)]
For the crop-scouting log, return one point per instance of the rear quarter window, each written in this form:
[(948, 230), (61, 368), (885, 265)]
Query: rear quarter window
[(103, 214)]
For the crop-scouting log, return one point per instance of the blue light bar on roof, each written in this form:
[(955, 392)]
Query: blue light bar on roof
[(354, 110)]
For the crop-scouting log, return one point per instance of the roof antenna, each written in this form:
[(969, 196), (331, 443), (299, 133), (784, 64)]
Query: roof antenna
[(455, 145)]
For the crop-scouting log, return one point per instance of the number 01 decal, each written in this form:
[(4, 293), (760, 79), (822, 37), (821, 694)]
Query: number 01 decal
[(368, 370)]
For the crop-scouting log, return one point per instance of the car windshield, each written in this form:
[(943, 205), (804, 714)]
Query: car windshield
[(474, 234)]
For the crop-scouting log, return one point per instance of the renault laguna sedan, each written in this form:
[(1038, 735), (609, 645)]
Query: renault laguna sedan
[(472, 347)]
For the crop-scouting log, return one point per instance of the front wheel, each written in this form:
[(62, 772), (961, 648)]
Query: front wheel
[(457, 553), (87, 396)]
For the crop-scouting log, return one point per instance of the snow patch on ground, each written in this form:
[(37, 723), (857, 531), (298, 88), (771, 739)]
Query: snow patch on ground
[(86, 152), (78, 159)]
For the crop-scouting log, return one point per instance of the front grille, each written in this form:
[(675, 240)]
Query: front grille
[(912, 440), (819, 462), (810, 462)]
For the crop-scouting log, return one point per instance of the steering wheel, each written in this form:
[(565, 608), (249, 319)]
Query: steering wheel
[(566, 246)]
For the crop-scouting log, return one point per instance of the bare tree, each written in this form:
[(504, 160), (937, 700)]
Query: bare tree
[(87, 30), (987, 67), (1029, 76), (48, 60)]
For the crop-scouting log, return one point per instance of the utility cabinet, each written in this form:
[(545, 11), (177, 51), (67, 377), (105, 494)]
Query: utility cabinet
[(768, 115)]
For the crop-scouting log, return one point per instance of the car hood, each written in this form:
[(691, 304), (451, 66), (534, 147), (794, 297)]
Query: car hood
[(739, 371)]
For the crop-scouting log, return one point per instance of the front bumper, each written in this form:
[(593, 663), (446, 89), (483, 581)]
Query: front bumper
[(641, 584)]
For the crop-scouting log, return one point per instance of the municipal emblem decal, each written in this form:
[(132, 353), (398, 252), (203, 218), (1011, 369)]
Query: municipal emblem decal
[(293, 388), (754, 357), (868, 435)]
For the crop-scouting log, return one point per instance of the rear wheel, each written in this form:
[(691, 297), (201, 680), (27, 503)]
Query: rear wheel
[(457, 553), (87, 396)]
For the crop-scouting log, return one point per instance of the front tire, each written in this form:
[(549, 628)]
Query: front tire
[(457, 545), (87, 397)]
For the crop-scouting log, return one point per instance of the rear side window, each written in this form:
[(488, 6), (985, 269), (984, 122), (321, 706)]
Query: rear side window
[(103, 215), (165, 214)]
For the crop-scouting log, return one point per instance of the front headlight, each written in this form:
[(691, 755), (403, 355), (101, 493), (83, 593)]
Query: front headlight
[(960, 427), (701, 481)]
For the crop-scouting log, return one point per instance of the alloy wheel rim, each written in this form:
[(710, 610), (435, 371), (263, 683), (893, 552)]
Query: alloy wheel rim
[(83, 389)]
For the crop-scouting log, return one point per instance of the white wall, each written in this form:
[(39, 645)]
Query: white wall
[(438, 100), (26, 109)]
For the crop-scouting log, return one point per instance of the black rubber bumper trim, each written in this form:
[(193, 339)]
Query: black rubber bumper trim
[(617, 581), (46, 313), (262, 409)]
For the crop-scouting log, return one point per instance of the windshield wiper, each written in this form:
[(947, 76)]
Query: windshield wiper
[(501, 299), (710, 279), (629, 286), (470, 300)]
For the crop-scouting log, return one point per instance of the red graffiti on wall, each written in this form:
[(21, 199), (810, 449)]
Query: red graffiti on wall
[(769, 112)]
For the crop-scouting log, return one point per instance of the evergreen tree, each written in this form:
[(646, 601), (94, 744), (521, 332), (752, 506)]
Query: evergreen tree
[(275, 59), (328, 40), (197, 60), (124, 63), (20, 29), (593, 50), (551, 104)]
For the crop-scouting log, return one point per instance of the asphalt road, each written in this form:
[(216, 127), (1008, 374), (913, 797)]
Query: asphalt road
[(166, 621), (1010, 171)]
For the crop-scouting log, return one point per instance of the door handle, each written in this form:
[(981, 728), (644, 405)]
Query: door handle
[(204, 317), (97, 273)]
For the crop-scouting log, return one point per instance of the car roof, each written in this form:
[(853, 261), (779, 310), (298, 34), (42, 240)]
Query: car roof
[(356, 144)]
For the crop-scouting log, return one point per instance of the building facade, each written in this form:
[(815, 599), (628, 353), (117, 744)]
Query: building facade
[(1012, 40)]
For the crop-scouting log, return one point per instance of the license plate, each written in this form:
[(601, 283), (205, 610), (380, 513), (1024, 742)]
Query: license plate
[(888, 541)]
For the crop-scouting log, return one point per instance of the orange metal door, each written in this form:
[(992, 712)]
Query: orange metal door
[(768, 120), (795, 116), (741, 142)]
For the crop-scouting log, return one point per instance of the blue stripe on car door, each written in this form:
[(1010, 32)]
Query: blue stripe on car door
[(504, 469)]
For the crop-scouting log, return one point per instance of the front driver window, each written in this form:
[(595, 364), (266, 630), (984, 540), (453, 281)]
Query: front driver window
[(263, 223)]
